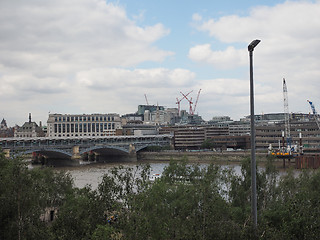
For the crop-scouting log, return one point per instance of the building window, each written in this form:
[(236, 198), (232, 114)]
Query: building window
[(84, 127), (76, 127), (59, 128), (72, 119), (101, 127), (93, 127), (72, 127), (68, 127), (80, 127), (105, 126), (55, 128), (89, 127)]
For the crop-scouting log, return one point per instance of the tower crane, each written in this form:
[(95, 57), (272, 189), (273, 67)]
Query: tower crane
[(286, 114), (314, 113), (190, 102), (179, 100), (145, 95), (195, 105)]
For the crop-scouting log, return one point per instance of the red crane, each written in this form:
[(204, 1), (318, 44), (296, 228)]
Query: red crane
[(178, 101), (190, 102)]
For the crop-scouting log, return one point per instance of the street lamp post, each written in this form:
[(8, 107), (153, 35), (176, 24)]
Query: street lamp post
[(251, 47)]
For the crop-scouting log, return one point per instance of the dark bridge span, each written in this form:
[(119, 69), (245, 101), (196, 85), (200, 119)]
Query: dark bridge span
[(74, 149)]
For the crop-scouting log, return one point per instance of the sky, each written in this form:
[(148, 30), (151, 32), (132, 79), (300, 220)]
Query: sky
[(98, 56)]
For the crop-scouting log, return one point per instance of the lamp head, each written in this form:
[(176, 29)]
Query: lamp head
[(253, 44)]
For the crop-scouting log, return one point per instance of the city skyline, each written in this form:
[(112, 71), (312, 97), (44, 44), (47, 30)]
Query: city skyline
[(94, 56)]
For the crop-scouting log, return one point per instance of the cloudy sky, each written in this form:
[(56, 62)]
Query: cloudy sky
[(98, 56)]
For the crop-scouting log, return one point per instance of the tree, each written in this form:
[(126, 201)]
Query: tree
[(24, 195)]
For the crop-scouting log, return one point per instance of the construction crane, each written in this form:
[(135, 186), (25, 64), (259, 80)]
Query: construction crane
[(190, 102), (178, 101), (195, 105), (145, 95), (286, 114), (315, 115)]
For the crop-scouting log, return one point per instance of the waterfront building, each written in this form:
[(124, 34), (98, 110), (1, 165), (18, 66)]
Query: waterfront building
[(192, 137), (238, 128), (271, 133), (236, 134), (78, 125), (139, 129), (29, 129)]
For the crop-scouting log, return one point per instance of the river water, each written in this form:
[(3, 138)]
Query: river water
[(92, 174)]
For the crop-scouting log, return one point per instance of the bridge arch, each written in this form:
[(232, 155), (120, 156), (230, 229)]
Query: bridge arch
[(49, 152), (97, 148)]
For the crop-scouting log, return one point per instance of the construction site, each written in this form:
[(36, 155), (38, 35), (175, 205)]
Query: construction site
[(284, 135)]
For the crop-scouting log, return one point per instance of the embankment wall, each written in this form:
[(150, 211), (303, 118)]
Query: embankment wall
[(199, 156)]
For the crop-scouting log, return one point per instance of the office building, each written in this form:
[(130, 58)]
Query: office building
[(78, 125)]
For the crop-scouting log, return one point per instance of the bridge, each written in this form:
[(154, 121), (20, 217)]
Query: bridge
[(76, 149)]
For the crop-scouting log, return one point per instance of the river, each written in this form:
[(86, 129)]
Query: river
[(92, 174)]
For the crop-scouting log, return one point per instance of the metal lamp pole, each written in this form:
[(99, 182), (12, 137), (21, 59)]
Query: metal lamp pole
[(251, 47)]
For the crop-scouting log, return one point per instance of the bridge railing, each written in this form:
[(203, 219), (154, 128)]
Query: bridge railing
[(26, 143)]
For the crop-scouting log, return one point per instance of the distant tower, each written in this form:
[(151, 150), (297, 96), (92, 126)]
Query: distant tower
[(3, 124), (29, 117)]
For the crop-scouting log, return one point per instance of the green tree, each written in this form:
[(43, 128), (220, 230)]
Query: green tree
[(24, 196), (79, 215)]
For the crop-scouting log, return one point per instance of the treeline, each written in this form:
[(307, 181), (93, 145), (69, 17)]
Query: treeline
[(187, 202)]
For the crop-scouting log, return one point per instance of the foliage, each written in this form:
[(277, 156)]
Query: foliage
[(207, 144), (157, 148), (24, 195), (189, 201)]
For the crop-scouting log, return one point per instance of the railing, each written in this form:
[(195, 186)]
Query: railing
[(27, 143)]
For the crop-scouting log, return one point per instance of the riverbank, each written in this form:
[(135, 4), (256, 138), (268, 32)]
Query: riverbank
[(235, 156)]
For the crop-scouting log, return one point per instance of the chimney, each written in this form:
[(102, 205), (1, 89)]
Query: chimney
[(29, 117)]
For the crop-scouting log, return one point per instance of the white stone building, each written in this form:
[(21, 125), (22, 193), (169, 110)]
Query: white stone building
[(78, 125)]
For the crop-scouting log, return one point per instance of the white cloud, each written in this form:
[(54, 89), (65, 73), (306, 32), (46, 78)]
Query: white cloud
[(226, 59), (84, 56), (196, 17), (47, 46), (120, 78), (290, 46)]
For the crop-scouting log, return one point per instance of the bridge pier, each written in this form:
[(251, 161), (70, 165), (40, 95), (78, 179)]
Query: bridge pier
[(132, 153), (96, 157), (76, 157)]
